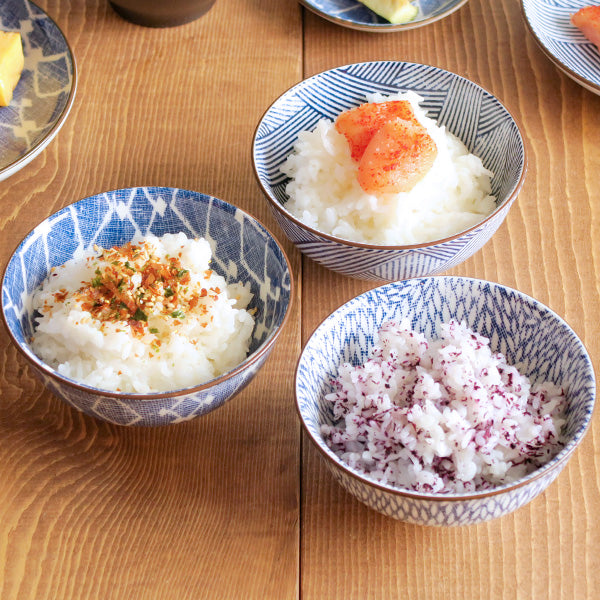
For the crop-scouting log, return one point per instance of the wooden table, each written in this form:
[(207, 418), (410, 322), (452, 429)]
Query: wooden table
[(237, 504)]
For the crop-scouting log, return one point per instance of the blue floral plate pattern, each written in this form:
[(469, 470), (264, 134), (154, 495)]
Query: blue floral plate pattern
[(45, 93), (532, 337), (355, 15), (243, 251), (550, 24)]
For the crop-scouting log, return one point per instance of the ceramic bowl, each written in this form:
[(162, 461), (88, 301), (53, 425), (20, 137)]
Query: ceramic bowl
[(243, 251), (532, 337), (465, 109), (45, 92), (549, 23), (156, 13)]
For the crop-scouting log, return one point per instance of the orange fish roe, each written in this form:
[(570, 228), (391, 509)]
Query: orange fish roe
[(131, 283)]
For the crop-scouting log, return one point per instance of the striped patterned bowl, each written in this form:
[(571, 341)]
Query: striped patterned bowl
[(467, 111), (532, 337), (243, 251), (549, 21)]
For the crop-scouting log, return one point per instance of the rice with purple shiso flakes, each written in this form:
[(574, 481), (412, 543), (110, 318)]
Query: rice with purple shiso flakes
[(445, 415)]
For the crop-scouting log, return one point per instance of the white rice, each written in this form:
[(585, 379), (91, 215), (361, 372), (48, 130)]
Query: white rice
[(324, 192), (172, 349), (446, 415)]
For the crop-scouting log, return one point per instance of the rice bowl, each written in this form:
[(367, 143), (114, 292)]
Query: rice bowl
[(531, 337), (243, 252), (178, 330), (464, 109), (324, 192)]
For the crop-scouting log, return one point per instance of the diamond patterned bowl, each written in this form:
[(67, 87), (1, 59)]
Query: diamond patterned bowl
[(243, 251), (532, 337), (468, 111)]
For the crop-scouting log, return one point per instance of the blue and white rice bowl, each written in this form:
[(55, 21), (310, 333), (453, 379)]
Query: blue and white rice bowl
[(532, 337), (242, 251), (469, 112), (549, 22)]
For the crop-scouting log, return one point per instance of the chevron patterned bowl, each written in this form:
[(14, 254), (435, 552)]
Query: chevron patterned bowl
[(243, 251), (468, 111), (532, 337)]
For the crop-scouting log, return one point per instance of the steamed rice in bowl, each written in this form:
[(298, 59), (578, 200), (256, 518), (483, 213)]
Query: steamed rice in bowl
[(443, 415), (324, 192), (149, 317), (461, 400)]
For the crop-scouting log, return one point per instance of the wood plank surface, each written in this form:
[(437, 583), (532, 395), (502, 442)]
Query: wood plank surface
[(204, 509), (547, 248), (237, 504)]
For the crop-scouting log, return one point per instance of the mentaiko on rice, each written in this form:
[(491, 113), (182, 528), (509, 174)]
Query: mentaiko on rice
[(325, 194), (446, 415), (148, 317)]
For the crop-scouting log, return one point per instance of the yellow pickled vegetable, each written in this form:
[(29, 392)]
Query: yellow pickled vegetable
[(11, 64), (395, 11)]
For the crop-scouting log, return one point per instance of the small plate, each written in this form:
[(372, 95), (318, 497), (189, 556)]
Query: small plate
[(353, 14), (550, 25), (44, 95)]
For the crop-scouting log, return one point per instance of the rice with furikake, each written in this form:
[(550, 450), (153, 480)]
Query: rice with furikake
[(445, 415), (150, 316)]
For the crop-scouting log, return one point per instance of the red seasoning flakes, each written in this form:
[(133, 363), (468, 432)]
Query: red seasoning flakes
[(150, 315), (131, 283)]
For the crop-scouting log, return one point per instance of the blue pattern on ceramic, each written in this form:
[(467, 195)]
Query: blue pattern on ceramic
[(354, 15), (532, 337), (45, 93), (243, 251), (467, 110), (549, 22)]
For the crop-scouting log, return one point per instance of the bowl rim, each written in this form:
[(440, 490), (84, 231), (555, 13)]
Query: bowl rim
[(280, 208), (555, 60), (21, 161), (556, 462), (250, 360)]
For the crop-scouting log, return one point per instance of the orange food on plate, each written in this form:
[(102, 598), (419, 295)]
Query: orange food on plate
[(398, 156), (360, 124), (587, 19)]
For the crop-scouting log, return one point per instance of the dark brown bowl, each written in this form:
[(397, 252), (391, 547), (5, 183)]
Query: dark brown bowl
[(161, 13)]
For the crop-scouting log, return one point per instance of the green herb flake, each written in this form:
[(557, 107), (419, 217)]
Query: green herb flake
[(177, 314), (169, 292), (140, 315), (153, 330)]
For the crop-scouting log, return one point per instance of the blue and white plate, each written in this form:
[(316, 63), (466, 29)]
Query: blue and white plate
[(355, 15), (550, 24), (44, 95)]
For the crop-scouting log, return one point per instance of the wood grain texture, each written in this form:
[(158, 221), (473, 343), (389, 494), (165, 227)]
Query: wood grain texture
[(202, 510), (237, 504), (548, 248)]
